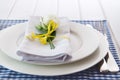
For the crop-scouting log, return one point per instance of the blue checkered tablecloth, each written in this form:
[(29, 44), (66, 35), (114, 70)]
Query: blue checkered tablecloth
[(89, 74)]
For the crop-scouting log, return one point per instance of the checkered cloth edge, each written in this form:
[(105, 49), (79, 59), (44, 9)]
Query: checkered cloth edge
[(89, 74)]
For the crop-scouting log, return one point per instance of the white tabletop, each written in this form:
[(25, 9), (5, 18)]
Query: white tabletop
[(73, 9)]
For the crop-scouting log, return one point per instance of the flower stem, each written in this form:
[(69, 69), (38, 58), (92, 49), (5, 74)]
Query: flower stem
[(51, 44)]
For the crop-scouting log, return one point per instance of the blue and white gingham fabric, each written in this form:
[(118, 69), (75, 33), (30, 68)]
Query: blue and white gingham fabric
[(89, 74)]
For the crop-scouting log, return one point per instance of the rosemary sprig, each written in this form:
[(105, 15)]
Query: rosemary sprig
[(48, 30)]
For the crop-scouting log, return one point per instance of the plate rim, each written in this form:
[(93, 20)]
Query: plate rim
[(13, 67), (72, 60)]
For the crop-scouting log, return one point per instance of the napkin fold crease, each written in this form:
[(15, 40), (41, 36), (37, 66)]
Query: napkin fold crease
[(35, 52), (63, 57)]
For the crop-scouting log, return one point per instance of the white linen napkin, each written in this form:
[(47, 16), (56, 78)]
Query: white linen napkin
[(35, 52)]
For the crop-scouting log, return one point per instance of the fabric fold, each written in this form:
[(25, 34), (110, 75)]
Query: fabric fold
[(35, 52)]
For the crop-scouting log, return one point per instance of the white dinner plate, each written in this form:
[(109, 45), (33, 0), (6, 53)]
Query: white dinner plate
[(55, 70), (84, 41)]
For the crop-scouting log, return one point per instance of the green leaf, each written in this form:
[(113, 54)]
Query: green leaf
[(44, 26), (51, 44), (53, 34), (49, 40), (40, 29), (43, 29)]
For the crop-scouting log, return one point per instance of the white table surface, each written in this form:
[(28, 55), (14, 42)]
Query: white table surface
[(73, 9)]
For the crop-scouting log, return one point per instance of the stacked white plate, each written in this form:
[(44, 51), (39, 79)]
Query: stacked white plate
[(88, 48)]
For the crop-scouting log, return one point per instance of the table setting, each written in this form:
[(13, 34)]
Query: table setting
[(79, 49)]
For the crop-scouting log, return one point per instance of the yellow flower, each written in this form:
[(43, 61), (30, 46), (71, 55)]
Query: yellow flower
[(52, 26), (43, 40), (32, 36)]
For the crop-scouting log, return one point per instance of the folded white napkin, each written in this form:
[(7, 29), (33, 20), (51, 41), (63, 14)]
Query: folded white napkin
[(35, 52)]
